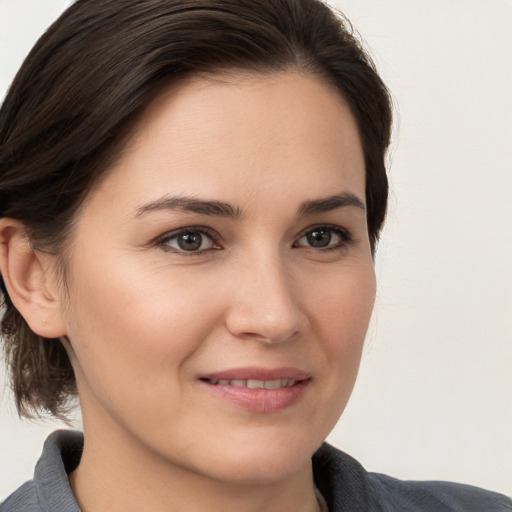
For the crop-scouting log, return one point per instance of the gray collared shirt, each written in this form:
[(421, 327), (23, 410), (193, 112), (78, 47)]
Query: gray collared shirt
[(343, 482)]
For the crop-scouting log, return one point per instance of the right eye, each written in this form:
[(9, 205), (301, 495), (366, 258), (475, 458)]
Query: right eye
[(188, 240), (326, 237)]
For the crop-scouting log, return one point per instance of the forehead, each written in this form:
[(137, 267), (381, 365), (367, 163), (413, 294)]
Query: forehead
[(231, 136)]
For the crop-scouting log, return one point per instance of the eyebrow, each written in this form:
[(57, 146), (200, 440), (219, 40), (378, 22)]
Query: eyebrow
[(330, 203), (222, 209), (192, 205)]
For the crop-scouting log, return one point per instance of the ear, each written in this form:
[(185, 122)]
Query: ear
[(30, 281)]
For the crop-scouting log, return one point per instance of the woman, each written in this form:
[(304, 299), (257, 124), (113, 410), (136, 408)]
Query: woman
[(191, 196)]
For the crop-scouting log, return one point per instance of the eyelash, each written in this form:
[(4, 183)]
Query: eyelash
[(163, 242), (344, 234)]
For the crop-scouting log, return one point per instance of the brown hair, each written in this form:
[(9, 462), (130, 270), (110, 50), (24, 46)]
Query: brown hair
[(96, 68)]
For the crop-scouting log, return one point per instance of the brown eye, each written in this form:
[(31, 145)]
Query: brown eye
[(319, 238), (324, 237), (188, 240)]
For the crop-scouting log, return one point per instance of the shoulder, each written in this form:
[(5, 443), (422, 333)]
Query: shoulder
[(49, 490), (346, 485), (439, 496), (25, 498)]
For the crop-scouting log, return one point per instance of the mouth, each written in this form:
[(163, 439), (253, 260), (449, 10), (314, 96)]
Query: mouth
[(253, 383), (259, 390)]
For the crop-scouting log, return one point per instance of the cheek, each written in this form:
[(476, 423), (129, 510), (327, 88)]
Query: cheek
[(341, 322), (132, 296), (128, 327), (344, 304)]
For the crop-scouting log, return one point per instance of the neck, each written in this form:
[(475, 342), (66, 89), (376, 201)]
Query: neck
[(117, 473)]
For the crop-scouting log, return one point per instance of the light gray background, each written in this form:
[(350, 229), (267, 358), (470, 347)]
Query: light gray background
[(434, 396)]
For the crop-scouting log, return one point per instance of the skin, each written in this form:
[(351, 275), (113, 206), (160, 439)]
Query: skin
[(145, 319)]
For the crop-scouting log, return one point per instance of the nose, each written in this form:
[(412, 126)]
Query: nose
[(265, 306)]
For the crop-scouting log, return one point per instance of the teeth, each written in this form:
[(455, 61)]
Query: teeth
[(274, 384), (256, 384)]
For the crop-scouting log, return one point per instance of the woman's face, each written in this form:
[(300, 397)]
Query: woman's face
[(220, 280)]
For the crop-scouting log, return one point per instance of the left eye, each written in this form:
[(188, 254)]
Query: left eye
[(189, 240), (328, 237)]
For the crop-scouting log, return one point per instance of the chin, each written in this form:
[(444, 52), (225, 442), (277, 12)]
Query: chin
[(262, 470), (261, 460)]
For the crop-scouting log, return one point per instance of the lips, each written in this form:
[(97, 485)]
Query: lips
[(255, 384), (258, 389), (256, 373)]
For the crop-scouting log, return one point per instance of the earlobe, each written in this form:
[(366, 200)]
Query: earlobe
[(29, 280)]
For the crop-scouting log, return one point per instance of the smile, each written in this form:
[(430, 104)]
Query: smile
[(255, 384), (258, 390)]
